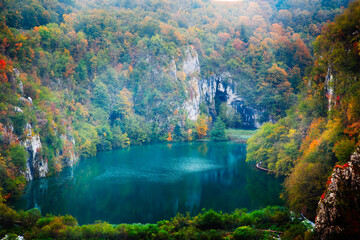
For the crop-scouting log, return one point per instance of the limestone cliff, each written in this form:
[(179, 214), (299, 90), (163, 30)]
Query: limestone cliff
[(219, 87), (36, 165), (27, 134), (338, 214), (330, 88)]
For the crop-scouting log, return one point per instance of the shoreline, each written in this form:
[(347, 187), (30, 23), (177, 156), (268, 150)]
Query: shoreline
[(258, 166)]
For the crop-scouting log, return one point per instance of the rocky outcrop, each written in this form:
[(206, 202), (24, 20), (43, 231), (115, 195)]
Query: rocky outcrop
[(329, 88), (338, 214), (36, 166), (67, 154), (215, 88), (191, 68)]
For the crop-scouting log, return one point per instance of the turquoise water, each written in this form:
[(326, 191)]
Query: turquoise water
[(145, 184)]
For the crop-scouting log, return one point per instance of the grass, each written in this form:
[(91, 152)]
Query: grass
[(239, 134)]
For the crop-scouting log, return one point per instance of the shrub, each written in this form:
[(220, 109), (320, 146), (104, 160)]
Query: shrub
[(246, 233), (18, 156), (210, 220), (19, 121)]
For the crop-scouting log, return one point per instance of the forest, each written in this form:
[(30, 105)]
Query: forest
[(88, 76)]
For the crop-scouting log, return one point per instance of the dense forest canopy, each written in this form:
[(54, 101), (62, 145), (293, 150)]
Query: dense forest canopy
[(321, 130), (89, 76)]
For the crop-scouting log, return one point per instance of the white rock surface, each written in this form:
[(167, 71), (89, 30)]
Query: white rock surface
[(204, 91), (329, 85), (36, 165)]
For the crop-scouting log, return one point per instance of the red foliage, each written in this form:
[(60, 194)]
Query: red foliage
[(343, 166), (239, 45), (224, 38), (2, 64), (323, 196), (328, 182), (8, 196)]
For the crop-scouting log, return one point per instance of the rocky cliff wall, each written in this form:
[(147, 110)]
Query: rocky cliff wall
[(221, 87), (37, 165), (338, 214)]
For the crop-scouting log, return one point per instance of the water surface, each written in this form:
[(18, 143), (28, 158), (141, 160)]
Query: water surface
[(145, 184)]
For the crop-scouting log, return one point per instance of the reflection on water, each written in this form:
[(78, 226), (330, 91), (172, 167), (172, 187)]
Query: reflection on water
[(154, 182)]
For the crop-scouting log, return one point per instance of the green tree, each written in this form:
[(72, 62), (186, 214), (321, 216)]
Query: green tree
[(18, 156), (101, 96), (19, 120), (218, 132), (246, 233)]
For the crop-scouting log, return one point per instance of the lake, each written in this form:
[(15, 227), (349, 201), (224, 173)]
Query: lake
[(145, 184)]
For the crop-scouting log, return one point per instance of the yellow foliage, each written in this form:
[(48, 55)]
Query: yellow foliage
[(126, 101), (82, 110), (181, 76), (189, 135), (202, 126)]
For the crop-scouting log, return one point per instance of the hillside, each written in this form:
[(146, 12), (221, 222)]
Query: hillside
[(78, 77), (83, 78), (321, 130)]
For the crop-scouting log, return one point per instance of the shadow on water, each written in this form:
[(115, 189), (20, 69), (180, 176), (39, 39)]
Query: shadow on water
[(150, 183)]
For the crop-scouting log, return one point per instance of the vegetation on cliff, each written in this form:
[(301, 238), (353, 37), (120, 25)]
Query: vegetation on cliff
[(103, 73), (322, 130), (111, 74)]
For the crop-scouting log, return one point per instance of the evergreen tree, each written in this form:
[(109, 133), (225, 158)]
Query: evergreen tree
[(218, 132)]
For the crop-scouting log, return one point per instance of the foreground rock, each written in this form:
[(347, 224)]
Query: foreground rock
[(338, 215)]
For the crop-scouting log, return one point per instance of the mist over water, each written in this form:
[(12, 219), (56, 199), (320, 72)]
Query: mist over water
[(149, 183)]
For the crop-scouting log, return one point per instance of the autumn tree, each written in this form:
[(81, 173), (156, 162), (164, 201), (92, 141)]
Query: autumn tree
[(202, 126)]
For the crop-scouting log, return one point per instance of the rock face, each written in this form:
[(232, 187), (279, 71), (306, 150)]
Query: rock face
[(338, 215), (67, 154), (36, 166), (215, 88), (191, 67), (329, 87)]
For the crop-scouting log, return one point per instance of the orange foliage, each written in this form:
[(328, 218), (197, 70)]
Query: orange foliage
[(277, 28), (239, 45), (353, 130), (18, 45), (311, 141), (58, 167), (189, 135), (5, 43), (169, 138), (202, 126), (224, 38)]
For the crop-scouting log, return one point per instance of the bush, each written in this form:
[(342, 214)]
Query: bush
[(246, 233), (19, 121), (44, 221), (210, 220), (18, 156), (31, 217), (218, 132), (343, 150), (294, 232)]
